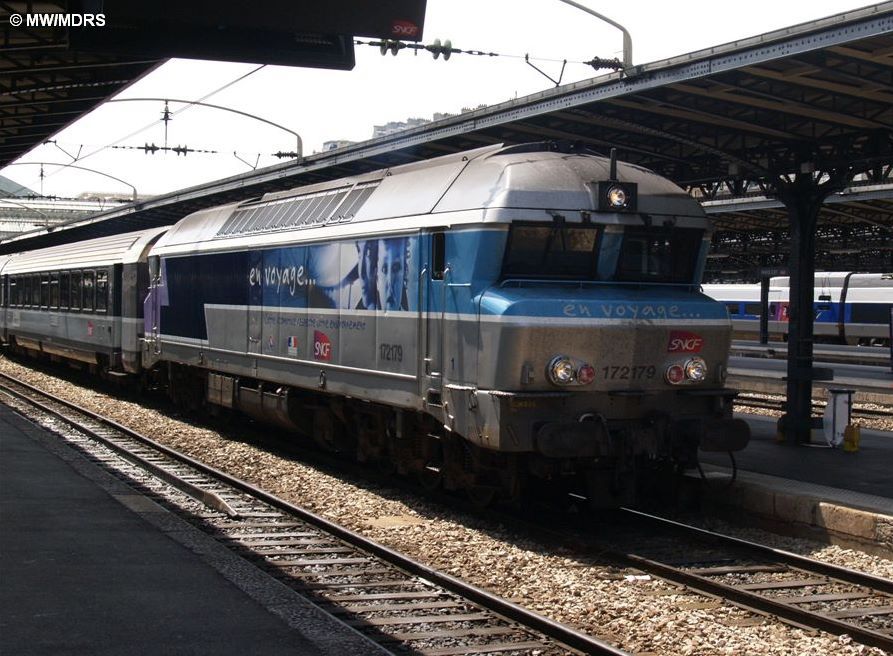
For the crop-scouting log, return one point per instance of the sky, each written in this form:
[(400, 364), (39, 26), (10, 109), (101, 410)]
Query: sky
[(323, 105)]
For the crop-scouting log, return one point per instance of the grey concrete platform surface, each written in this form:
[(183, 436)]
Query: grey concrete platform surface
[(87, 566), (847, 495)]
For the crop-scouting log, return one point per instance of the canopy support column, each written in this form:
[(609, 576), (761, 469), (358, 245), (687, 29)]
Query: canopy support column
[(803, 197)]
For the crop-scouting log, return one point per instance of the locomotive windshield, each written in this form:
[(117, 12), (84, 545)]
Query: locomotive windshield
[(666, 255), (551, 251)]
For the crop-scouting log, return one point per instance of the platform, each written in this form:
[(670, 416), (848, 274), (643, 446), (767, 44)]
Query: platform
[(88, 566), (847, 495)]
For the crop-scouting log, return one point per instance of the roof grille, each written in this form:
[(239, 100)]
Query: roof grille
[(307, 211)]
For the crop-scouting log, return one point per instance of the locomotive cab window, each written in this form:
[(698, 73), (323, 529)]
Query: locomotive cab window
[(658, 254), (558, 250), (438, 255)]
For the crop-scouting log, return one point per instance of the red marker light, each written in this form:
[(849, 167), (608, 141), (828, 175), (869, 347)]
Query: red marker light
[(585, 374), (675, 374)]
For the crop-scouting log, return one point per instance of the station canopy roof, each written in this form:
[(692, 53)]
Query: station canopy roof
[(62, 61), (725, 123)]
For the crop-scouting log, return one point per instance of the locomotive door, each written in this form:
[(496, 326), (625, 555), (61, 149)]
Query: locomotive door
[(435, 313), (255, 307)]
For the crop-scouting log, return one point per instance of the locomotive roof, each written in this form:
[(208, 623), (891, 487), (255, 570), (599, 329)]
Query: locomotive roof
[(104, 251), (494, 184)]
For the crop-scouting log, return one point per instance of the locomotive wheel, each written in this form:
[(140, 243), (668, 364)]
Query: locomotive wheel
[(481, 496)]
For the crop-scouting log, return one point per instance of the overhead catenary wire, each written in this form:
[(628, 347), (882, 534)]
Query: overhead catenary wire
[(447, 50), (114, 143)]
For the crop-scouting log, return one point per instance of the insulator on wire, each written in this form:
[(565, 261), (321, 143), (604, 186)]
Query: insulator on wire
[(394, 46), (597, 63), (437, 49)]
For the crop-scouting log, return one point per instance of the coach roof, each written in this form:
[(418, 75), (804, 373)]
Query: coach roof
[(104, 251)]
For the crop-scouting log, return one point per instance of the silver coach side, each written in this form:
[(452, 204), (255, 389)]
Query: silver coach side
[(81, 301)]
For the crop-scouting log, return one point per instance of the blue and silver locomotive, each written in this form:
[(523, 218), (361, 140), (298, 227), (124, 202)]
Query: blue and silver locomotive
[(482, 320)]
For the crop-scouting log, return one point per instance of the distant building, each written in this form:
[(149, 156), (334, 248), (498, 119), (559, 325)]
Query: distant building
[(398, 126), (335, 145)]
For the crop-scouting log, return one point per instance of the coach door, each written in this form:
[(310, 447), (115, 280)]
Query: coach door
[(151, 305)]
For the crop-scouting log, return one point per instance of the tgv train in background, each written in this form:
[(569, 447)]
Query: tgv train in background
[(849, 308), (493, 321)]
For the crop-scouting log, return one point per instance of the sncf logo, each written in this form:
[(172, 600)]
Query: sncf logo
[(404, 28), (322, 346), (682, 341)]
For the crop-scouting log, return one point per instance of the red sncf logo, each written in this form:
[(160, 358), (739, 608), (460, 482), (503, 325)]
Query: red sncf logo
[(322, 346), (404, 28), (682, 341)]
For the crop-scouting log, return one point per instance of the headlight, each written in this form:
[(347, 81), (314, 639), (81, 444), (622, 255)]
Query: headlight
[(617, 197), (561, 370), (696, 370)]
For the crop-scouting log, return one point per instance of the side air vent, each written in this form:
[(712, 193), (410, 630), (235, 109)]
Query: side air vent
[(297, 212)]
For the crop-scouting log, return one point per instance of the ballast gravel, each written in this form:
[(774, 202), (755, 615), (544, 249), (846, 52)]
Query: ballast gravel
[(633, 611)]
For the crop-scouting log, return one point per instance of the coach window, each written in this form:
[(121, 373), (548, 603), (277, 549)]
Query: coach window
[(64, 285), (13, 290), (76, 287), (35, 290), (89, 289), (44, 290), (54, 291), (102, 291)]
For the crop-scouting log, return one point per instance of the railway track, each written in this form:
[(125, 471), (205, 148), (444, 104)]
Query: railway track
[(795, 589), (818, 407), (401, 604)]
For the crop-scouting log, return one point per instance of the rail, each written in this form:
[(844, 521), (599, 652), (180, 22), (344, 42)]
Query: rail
[(818, 582), (324, 561), (869, 355)]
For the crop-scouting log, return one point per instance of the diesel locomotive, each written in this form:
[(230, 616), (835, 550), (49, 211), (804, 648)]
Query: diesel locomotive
[(486, 321)]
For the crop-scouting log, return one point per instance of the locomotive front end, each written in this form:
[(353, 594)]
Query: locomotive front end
[(598, 356)]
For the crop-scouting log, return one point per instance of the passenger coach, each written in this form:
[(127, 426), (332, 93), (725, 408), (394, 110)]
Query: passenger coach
[(80, 301)]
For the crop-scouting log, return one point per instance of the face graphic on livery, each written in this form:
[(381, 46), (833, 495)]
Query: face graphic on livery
[(392, 273), (367, 266)]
